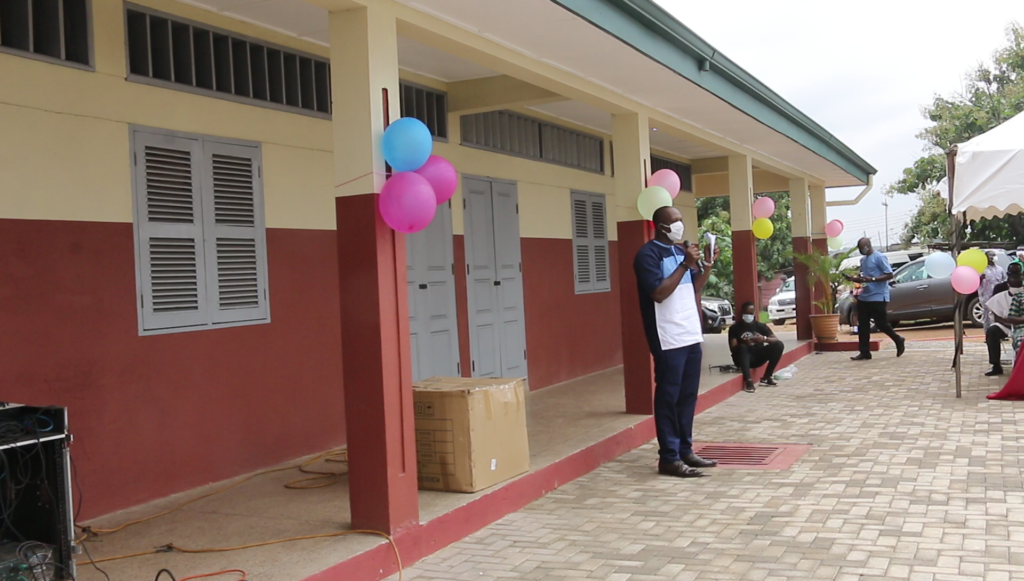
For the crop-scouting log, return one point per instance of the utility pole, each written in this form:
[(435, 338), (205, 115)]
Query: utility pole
[(885, 202)]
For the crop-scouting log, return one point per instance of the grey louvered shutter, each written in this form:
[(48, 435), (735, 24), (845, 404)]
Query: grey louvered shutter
[(599, 243), (236, 253), (169, 215), (583, 266)]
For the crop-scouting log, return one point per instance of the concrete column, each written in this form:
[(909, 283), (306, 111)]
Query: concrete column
[(686, 202), (819, 242), (371, 265), (800, 209), (744, 248), (630, 133)]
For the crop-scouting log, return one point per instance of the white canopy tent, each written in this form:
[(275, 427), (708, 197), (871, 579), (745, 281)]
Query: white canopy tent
[(986, 180), (990, 173)]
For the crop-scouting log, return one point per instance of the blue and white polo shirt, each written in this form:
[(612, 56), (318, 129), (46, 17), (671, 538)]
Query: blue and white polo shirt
[(674, 322)]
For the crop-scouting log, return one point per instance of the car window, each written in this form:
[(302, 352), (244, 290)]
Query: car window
[(789, 285), (913, 272)]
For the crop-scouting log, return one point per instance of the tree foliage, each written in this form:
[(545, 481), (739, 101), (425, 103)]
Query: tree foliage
[(720, 282), (991, 95), (773, 254)]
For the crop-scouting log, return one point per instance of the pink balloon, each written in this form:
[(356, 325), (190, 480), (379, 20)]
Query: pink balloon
[(834, 229), (965, 280), (407, 202), (667, 179), (442, 177), (764, 207)]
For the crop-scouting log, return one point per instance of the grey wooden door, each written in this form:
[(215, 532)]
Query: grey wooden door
[(433, 324), (509, 261), (494, 279)]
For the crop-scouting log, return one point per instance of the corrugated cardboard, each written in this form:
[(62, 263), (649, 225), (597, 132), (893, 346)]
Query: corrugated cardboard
[(470, 433)]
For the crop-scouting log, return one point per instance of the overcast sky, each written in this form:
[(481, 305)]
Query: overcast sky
[(862, 70)]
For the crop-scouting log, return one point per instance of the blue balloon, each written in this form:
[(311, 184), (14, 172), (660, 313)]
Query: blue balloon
[(939, 265), (407, 144)]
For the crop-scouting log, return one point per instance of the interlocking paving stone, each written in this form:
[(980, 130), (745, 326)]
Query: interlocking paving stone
[(904, 481)]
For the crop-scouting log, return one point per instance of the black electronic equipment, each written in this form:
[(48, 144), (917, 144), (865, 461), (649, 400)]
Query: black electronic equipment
[(29, 561), (36, 520)]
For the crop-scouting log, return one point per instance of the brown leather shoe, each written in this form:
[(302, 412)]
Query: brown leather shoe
[(678, 469), (695, 461)]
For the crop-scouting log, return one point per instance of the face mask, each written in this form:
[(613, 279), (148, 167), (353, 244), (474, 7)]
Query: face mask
[(675, 232), (748, 318), (1016, 290)]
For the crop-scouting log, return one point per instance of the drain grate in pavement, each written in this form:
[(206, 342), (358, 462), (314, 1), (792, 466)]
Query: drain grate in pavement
[(752, 456)]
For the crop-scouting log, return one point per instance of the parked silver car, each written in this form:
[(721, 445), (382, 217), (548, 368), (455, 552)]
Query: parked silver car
[(915, 296)]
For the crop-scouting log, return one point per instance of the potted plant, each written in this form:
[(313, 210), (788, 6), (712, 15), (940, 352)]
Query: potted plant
[(824, 271)]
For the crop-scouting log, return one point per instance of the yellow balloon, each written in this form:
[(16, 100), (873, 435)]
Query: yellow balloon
[(651, 200), (973, 258), (763, 228)]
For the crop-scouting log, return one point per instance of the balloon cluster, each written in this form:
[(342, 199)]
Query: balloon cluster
[(834, 231), (661, 189), (964, 272), (763, 209), (421, 182)]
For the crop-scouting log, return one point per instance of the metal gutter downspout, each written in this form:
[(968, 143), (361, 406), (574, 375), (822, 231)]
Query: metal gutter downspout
[(860, 196)]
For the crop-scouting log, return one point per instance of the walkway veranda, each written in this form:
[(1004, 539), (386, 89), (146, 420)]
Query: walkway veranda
[(573, 428), (903, 481)]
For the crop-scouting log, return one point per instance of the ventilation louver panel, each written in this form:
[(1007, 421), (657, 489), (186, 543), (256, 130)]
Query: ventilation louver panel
[(174, 271), (237, 274), (583, 268), (233, 191), (600, 264), (581, 227), (169, 185)]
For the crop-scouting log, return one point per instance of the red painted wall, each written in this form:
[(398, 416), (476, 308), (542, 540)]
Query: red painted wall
[(567, 335), (161, 414)]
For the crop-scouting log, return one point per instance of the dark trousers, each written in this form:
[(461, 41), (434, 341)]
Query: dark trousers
[(994, 337), (748, 357), (868, 311), (677, 383)]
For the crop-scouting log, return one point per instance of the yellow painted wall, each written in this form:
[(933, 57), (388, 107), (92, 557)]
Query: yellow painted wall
[(65, 146)]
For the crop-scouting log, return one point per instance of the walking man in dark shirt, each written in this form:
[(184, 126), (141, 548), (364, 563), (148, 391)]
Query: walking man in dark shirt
[(669, 279), (753, 344)]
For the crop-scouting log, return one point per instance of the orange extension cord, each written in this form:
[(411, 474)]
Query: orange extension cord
[(319, 479)]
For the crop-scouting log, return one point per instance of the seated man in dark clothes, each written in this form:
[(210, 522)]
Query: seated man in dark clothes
[(753, 344)]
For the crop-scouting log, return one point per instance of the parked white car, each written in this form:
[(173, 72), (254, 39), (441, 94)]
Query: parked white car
[(782, 306)]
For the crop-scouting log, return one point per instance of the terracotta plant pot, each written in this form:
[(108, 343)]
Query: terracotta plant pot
[(826, 328)]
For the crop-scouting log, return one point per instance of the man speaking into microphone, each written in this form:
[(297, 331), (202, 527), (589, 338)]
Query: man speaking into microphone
[(669, 278)]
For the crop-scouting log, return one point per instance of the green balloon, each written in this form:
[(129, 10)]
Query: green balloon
[(835, 242), (651, 200)]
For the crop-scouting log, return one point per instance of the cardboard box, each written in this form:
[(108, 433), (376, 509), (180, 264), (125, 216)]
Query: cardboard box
[(470, 433)]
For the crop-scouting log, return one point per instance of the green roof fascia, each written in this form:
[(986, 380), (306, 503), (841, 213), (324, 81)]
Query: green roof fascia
[(680, 49)]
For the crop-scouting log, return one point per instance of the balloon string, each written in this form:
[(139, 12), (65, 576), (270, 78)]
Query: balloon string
[(361, 177)]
